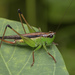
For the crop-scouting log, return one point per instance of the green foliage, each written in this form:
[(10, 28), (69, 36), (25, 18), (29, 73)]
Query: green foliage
[(17, 59)]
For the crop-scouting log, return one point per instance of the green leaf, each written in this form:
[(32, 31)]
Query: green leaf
[(17, 59)]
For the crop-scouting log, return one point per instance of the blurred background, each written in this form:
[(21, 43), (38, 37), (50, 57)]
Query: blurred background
[(48, 14)]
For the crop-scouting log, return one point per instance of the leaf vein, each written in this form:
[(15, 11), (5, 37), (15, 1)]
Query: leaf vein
[(24, 64), (12, 55), (5, 64)]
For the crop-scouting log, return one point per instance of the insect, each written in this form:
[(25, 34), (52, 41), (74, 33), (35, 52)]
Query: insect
[(33, 39)]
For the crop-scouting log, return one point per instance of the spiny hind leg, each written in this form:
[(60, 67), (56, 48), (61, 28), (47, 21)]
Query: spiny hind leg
[(48, 52), (19, 13), (9, 42), (29, 27), (33, 54), (5, 32)]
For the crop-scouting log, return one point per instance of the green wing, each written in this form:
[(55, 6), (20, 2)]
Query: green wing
[(29, 41)]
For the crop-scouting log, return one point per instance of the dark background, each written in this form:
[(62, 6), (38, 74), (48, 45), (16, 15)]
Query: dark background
[(48, 14)]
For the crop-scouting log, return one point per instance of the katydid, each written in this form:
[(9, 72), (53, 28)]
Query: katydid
[(33, 39)]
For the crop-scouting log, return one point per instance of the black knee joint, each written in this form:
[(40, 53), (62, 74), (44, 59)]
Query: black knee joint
[(9, 26), (19, 11)]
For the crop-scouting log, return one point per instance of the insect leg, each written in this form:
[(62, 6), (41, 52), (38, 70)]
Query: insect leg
[(19, 13), (40, 30), (29, 27), (26, 40), (48, 52), (8, 41), (5, 31), (55, 43), (33, 54)]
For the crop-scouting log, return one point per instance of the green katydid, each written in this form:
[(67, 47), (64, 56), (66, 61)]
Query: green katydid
[(33, 39)]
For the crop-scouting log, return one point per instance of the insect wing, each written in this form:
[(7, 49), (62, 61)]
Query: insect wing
[(29, 41)]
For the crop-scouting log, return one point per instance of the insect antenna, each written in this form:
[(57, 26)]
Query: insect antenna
[(63, 15)]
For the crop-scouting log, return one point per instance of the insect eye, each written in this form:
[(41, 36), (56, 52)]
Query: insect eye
[(50, 36)]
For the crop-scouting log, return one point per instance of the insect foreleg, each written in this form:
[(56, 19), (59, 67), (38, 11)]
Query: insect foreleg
[(55, 43), (48, 52), (33, 54)]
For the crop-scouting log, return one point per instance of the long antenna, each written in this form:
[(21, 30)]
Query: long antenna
[(63, 16)]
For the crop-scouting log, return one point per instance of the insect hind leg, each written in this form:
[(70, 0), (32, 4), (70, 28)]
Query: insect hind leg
[(5, 31), (29, 27), (19, 13), (9, 42)]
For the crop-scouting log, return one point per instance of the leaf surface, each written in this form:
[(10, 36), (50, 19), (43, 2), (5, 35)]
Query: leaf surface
[(17, 59)]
